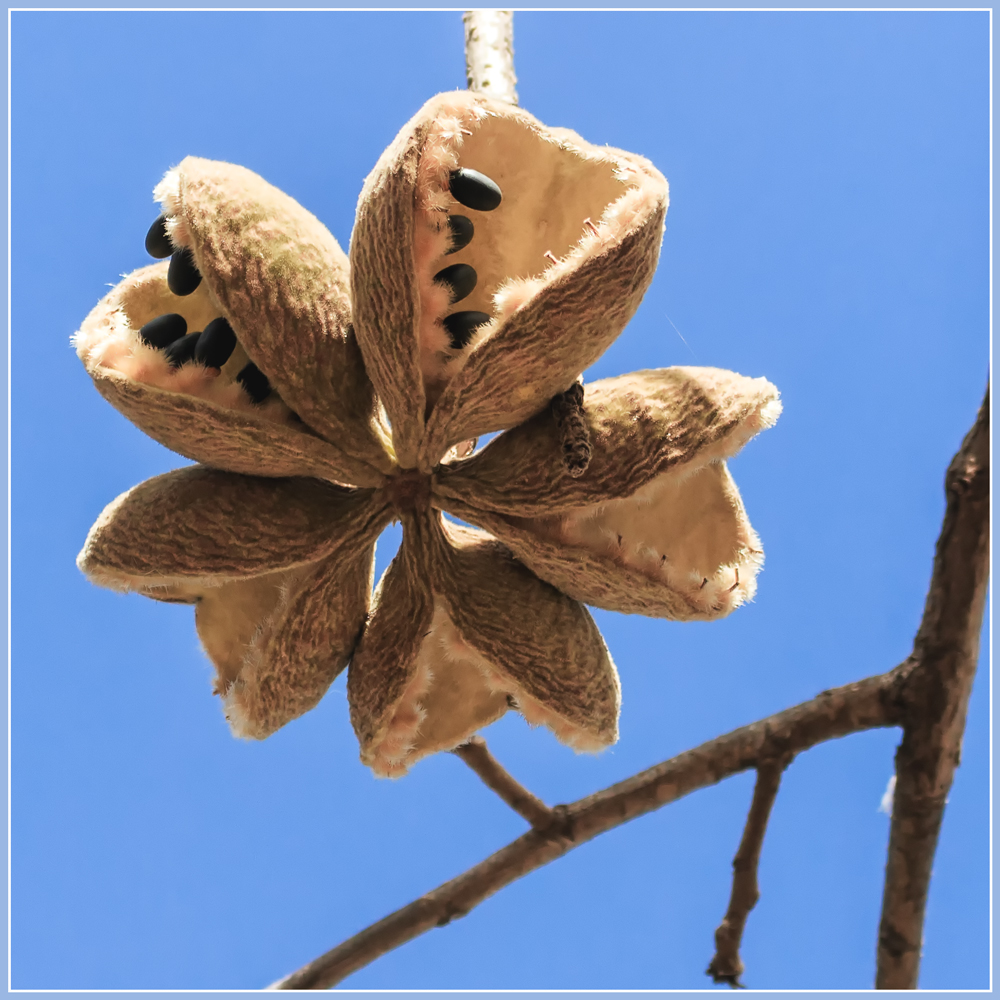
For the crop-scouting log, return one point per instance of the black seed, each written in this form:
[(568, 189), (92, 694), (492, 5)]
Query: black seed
[(475, 190), (157, 241), (460, 326), (164, 330), (461, 277), (216, 344), (255, 382), (462, 231), (182, 351), (183, 276)]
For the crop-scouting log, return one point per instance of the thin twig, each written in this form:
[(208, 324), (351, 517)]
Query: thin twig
[(935, 684), (727, 966), (849, 709), (476, 754), (489, 53)]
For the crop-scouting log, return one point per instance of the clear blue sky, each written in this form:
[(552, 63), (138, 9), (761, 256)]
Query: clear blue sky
[(828, 229)]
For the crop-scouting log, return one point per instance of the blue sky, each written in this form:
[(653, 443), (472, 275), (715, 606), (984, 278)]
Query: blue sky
[(828, 229)]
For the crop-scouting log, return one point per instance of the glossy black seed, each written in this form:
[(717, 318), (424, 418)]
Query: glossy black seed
[(157, 241), (183, 277), (461, 325), (255, 382), (461, 277), (216, 343), (164, 330), (182, 351), (462, 231), (475, 190)]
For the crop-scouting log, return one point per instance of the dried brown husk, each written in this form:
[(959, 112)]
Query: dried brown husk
[(559, 275), (200, 413), (655, 525), (459, 632), (201, 524), (282, 281), (639, 426)]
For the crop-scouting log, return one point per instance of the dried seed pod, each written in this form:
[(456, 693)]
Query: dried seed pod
[(557, 294)]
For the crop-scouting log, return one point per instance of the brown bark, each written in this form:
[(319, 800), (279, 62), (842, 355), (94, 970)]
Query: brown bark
[(848, 709), (476, 754), (934, 686), (727, 966)]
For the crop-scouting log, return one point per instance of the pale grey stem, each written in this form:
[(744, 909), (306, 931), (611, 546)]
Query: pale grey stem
[(489, 53)]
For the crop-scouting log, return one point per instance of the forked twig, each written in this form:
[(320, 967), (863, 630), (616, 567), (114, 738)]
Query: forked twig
[(727, 966), (476, 754), (852, 708)]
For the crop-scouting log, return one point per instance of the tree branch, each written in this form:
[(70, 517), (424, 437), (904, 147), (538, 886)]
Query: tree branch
[(934, 688), (476, 754), (849, 709), (726, 966), (489, 53)]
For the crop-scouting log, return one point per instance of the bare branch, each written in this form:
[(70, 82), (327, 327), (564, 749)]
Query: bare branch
[(849, 709), (476, 754), (489, 53), (726, 966), (935, 684)]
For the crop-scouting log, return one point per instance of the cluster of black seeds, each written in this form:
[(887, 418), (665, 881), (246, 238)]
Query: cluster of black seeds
[(212, 346), (476, 191)]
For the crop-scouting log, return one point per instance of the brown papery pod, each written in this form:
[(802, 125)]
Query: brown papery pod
[(655, 525), (460, 632), (215, 539), (531, 642), (558, 275), (281, 279), (200, 524), (199, 412), (639, 426)]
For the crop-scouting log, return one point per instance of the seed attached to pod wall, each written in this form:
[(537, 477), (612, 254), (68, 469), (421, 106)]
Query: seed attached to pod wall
[(475, 190), (460, 326), (157, 241), (216, 343), (163, 330), (462, 231), (255, 382), (180, 352), (183, 276), (461, 278)]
